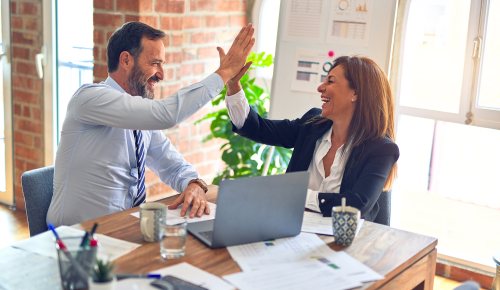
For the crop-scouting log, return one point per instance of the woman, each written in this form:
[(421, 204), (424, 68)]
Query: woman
[(347, 146)]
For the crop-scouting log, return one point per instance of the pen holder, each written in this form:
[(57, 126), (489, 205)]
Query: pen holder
[(75, 263)]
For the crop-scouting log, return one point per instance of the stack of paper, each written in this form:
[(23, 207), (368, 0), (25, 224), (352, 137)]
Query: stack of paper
[(301, 262), (43, 244)]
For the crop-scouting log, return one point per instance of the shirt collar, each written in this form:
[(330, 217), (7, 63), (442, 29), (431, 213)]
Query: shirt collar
[(112, 83), (328, 135)]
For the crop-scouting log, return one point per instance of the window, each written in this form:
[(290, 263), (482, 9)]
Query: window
[(68, 61), (448, 125), (266, 18)]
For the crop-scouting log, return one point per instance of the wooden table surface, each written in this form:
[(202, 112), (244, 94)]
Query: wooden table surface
[(407, 260)]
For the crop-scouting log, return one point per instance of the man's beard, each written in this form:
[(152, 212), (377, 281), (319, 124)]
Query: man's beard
[(138, 84)]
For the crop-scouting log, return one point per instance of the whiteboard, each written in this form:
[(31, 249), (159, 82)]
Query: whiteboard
[(310, 31)]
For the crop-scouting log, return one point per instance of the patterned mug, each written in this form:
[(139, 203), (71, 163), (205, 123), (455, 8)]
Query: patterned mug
[(345, 221)]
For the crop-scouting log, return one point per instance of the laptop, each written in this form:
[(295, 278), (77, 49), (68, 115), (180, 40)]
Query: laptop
[(255, 209)]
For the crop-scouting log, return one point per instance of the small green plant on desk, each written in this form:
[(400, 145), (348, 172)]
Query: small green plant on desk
[(242, 156), (102, 276)]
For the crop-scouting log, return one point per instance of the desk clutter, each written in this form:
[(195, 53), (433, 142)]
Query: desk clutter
[(377, 256)]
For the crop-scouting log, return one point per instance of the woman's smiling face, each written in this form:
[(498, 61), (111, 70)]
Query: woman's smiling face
[(337, 95)]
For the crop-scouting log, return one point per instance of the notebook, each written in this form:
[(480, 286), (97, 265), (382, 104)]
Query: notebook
[(255, 209)]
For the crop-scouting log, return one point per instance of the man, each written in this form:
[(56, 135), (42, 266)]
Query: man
[(111, 130)]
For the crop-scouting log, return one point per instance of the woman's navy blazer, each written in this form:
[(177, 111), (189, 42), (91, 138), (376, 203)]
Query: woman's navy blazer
[(366, 170)]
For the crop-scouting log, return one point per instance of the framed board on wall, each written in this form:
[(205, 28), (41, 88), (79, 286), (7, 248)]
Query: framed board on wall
[(311, 33)]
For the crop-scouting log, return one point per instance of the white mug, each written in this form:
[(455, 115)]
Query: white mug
[(151, 215)]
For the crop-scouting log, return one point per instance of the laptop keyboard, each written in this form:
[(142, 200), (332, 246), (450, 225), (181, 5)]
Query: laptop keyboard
[(207, 235)]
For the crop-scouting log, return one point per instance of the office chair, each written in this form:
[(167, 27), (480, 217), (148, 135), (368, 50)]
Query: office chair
[(37, 190), (384, 213), (469, 285)]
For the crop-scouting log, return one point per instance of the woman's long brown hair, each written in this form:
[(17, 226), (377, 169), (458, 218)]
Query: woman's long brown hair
[(373, 115)]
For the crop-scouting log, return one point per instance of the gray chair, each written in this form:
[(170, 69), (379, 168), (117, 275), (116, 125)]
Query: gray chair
[(38, 186), (469, 285), (384, 213)]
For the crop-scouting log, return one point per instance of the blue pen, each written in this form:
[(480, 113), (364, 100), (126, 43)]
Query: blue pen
[(125, 276)]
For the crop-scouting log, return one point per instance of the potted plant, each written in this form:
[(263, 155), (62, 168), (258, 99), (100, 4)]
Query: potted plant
[(102, 277), (242, 156)]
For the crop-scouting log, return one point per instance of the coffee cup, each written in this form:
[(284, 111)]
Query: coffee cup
[(151, 216), (345, 221)]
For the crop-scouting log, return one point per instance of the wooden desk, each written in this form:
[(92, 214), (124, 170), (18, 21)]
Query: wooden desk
[(407, 260)]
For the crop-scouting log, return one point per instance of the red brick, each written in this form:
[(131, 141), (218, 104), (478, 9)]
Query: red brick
[(149, 20), (17, 109), (36, 113), (202, 5), (104, 4), (192, 22), (194, 158), (23, 38), (25, 68), (171, 23), (23, 138), (108, 20), (202, 37), (228, 5), (26, 112), (28, 126), (25, 97), (127, 6), (207, 52), (30, 154), (16, 22), (29, 8), (237, 20), (174, 57), (170, 6), (176, 40), (145, 6), (216, 21), (38, 142), (31, 23)]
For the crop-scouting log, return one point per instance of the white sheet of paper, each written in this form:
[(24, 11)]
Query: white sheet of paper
[(305, 246), (44, 244), (184, 271), (173, 215), (315, 223), (23, 270), (307, 274)]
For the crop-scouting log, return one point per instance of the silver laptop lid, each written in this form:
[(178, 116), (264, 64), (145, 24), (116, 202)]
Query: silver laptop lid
[(259, 208)]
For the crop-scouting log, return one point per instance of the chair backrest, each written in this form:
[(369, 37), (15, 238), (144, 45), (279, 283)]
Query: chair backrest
[(384, 213), (38, 187)]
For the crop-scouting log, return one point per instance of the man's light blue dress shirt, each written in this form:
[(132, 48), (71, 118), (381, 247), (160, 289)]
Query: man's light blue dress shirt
[(96, 169)]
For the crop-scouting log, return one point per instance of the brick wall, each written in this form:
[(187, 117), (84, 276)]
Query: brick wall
[(27, 90), (194, 28)]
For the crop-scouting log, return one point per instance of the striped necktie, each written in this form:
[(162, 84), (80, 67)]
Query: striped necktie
[(139, 154)]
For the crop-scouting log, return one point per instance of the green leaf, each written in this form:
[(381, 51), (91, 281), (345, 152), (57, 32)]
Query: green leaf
[(242, 156)]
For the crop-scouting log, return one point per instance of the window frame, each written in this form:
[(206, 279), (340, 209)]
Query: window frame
[(468, 112)]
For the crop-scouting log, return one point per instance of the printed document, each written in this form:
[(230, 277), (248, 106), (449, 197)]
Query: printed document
[(305, 246), (44, 244), (174, 215)]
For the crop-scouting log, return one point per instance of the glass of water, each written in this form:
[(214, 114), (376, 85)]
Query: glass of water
[(173, 242)]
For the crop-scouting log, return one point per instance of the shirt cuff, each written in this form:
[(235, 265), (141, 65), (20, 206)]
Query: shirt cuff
[(214, 84), (312, 200), (238, 108)]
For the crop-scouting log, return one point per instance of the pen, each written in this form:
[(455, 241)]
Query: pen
[(92, 231), (59, 242), (125, 276), (84, 239)]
